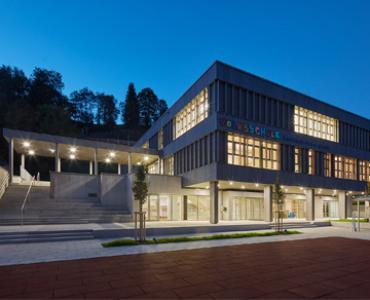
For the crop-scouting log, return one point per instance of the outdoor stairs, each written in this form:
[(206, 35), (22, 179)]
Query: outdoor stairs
[(41, 209), (45, 236)]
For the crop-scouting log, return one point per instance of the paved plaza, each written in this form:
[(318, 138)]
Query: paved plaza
[(331, 267)]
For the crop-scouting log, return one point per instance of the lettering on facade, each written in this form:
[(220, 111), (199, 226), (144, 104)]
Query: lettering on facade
[(250, 128)]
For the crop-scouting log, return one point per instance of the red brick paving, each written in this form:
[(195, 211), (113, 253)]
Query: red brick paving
[(331, 268)]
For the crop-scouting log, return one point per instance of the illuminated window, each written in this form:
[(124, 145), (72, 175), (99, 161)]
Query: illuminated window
[(345, 167), (327, 165), (252, 152), (146, 145), (160, 139), (153, 168), (298, 160), (364, 170), (168, 165), (314, 124), (192, 114), (311, 162)]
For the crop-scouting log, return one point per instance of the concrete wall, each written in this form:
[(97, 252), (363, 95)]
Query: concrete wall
[(113, 191), (73, 185)]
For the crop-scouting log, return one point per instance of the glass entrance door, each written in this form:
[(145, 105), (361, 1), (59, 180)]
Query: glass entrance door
[(153, 207), (164, 207), (247, 208)]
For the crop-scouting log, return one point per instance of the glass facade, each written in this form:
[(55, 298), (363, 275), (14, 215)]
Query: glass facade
[(311, 162), (364, 170), (315, 124), (244, 208), (163, 208), (198, 208), (252, 152), (192, 114), (168, 165), (327, 164), (345, 167), (297, 160)]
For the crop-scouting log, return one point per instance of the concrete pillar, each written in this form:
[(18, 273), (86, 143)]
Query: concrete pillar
[(91, 167), (129, 163), (348, 207), (310, 204), (23, 161), (185, 207), (267, 199), (96, 167), (213, 193), (342, 205), (58, 166), (11, 160), (119, 169)]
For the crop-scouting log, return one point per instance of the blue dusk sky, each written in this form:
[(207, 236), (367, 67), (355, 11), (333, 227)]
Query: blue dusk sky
[(320, 48)]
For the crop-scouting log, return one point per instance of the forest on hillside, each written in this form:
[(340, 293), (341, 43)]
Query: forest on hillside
[(37, 103)]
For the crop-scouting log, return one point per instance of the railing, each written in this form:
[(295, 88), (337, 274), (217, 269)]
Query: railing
[(34, 179), (4, 181)]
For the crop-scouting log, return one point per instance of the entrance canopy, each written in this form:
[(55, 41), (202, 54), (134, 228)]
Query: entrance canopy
[(60, 147)]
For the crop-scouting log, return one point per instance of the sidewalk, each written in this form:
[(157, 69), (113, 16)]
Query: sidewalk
[(55, 251)]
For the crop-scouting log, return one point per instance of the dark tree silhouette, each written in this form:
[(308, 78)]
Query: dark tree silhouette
[(130, 108), (84, 104), (162, 107), (148, 102), (107, 112)]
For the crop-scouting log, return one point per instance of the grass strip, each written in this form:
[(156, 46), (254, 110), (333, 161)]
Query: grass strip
[(362, 220), (181, 239)]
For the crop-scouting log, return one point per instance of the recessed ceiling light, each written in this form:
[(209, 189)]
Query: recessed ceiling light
[(301, 188), (26, 144), (31, 152), (257, 184), (146, 157), (52, 150), (107, 160), (72, 156), (73, 149), (112, 154), (286, 190), (243, 187), (138, 163), (231, 183)]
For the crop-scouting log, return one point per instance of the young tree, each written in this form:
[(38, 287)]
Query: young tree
[(279, 198), (140, 190), (130, 108), (106, 111), (162, 107), (83, 104), (148, 103)]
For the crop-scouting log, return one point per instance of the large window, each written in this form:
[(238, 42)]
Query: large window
[(251, 152), (345, 167), (314, 124), (192, 114), (327, 164), (160, 139), (168, 165), (297, 160), (364, 170), (311, 162)]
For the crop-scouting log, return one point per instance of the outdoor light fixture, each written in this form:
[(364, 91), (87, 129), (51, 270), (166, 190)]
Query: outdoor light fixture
[(301, 188), (52, 150), (26, 144), (107, 160), (218, 185), (257, 184), (73, 149), (207, 187), (72, 156), (231, 183), (112, 154), (146, 158), (243, 187), (286, 190), (138, 163), (31, 152)]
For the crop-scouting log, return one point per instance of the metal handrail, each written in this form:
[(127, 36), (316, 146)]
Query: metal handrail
[(35, 177)]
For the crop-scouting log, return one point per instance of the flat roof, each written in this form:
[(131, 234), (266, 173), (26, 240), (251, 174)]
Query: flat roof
[(45, 145)]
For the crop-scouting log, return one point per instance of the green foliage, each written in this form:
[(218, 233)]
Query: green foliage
[(130, 242), (140, 186), (148, 102), (362, 220), (130, 108)]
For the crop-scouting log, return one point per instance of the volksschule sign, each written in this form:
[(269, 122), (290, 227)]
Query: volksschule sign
[(249, 128)]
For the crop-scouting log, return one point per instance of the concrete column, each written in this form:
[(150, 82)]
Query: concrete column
[(129, 163), (267, 199), (213, 193), (348, 207), (342, 205), (57, 159), (185, 208), (119, 169), (91, 167), (310, 205), (11, 160), (96, 167), (23, 161)]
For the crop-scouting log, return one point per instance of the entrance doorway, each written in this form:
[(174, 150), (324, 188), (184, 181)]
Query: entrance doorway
[(247, 208)]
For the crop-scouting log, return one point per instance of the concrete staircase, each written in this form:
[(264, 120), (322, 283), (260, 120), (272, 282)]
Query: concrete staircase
[(40, 209), (45, 236)]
